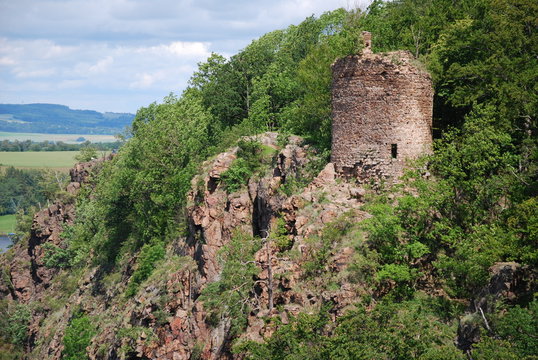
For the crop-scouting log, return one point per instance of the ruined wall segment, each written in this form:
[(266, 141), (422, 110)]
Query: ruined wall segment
[(382, 113)]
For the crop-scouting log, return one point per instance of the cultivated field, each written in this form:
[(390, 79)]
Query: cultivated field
[(38, 159), (66, 138), (7, 224)]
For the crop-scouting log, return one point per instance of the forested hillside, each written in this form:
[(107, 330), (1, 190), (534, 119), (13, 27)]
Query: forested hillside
[(59, 119), (176, 239)]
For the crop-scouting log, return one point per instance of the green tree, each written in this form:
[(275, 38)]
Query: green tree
[(87, 152), (231, 296)]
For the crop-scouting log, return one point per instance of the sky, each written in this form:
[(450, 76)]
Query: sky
[(120, 55)]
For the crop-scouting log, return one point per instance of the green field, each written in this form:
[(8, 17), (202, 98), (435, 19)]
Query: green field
[(7, 224), (38, 159), (66, 138)]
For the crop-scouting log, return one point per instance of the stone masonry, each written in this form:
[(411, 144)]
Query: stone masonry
[(382, 113)]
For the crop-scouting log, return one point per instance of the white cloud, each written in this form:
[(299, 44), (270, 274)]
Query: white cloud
[(102, 65), (6, 61), (38, 73), (143, 81), (180, 49)]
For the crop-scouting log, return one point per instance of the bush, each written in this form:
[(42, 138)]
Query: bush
[(251, 156), (150, 254), (77, 337), (57, 257), (515, 335), (17, 326), (87, 153), (232, 295), (408, 330), (237, 175), (280, 235)]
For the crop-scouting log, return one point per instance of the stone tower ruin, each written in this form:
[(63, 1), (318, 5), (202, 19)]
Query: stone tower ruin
[(381, 111)]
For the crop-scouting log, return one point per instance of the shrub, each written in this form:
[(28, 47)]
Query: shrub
[(232, 295), (150, 254), (251, 156), (57, 257), (515, 335), (87, 153), (77, 337), (280, 235), (400, 331), (17, 325), (237, 175)]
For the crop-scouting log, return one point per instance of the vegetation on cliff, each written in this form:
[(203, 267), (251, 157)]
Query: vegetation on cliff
[(429, 243)]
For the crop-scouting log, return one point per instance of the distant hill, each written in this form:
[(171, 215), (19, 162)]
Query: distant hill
[(60, 119)]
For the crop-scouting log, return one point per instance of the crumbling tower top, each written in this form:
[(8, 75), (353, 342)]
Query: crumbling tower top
[(382, 112)]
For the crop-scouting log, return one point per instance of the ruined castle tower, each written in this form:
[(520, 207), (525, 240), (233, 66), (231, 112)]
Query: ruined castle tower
[(382, 112)]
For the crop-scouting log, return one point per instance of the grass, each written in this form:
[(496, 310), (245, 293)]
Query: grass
[(38, 159), (66, 138), (7, 224)]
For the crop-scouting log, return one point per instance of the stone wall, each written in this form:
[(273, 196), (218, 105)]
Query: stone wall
[(382, 113)]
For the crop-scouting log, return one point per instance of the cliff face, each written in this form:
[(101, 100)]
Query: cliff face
[(169, 304), (213, 217), (27, 274)]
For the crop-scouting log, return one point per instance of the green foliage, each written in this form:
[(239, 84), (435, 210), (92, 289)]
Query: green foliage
[(77, 337), (237, 175), (302, 338), (396, 272), (319, 249), (20, 189), (10, 352), (523, 224), (384, 232), (139, 194), (464, 220), (515, 335), (15, 329), (409, 330), (231, 296), (150, 254), (251, 156), (310, 114), (280, 236), (197, 351), (57, 257), (87, 153)]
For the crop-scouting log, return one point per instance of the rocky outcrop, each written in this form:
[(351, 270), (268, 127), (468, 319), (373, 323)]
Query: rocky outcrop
[(81, 172), (214, 215), (28, 276), (176, 324)]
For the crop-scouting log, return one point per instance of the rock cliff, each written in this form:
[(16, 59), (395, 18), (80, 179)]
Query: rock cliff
[(169, 304)]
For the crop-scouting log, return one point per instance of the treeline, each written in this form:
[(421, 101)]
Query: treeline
[(28, 145), (22, 190)]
